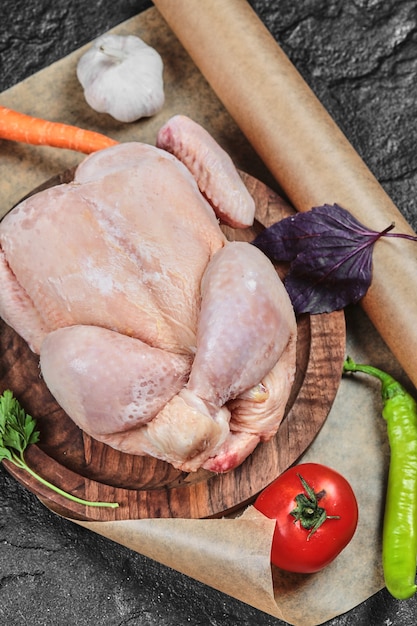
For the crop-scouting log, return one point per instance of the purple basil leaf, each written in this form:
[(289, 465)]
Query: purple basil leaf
[(324, 226), (330, 254), (324, 283)]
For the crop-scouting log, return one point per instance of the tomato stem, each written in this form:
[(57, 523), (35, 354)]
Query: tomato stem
[(308, 512)]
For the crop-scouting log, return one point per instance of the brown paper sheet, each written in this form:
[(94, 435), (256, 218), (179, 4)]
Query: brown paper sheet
[(231, 555)]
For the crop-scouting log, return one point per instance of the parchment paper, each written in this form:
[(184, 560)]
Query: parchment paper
[(231, 554)]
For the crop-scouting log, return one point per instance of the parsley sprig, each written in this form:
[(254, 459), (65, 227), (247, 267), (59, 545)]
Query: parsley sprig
[(17, 432)]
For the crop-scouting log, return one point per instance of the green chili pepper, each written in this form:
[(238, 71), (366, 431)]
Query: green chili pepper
[(399, 541)]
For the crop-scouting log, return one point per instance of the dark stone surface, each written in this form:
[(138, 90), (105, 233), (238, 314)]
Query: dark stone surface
[(360, 57), (34, 34)]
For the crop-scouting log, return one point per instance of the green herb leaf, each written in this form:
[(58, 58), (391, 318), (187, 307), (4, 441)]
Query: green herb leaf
[(5, 454), (17, 432)]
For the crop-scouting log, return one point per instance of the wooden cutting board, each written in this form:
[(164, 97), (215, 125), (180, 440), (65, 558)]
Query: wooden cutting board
[(145, 487)]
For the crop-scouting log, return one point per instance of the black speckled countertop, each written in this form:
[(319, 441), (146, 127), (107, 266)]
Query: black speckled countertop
[(360, 57)]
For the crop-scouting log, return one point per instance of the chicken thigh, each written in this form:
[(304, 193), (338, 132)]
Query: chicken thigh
[(156, 335)]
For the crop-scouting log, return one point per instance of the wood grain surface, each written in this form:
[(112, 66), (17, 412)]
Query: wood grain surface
[(145, 487)]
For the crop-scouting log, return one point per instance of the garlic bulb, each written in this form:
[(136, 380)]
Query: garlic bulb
[(122, 75)]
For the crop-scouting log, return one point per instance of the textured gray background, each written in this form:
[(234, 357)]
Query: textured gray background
[(360, 57)]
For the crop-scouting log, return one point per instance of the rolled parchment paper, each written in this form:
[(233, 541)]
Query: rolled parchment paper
[(302, 147)]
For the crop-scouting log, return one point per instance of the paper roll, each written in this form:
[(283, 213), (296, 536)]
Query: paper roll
[(303, 148)]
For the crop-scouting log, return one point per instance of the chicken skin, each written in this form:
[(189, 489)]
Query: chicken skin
[(156, 335)]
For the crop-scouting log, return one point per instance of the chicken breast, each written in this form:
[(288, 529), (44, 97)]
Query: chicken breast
[(156, 335)]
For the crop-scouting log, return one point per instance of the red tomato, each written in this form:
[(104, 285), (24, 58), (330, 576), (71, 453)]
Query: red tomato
[(324, 494)]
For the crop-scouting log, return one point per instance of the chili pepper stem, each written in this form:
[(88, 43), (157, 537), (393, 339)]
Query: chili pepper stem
[(390, 387)]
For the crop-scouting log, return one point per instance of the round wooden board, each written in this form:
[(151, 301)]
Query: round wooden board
[(145, 487)]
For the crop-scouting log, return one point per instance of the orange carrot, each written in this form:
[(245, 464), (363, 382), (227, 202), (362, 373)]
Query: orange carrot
[(16, 126)]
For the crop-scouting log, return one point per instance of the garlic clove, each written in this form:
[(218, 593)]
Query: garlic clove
[(122, 76)]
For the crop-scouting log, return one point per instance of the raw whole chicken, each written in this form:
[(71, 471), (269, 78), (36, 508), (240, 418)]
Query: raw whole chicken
[(156, 335)]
